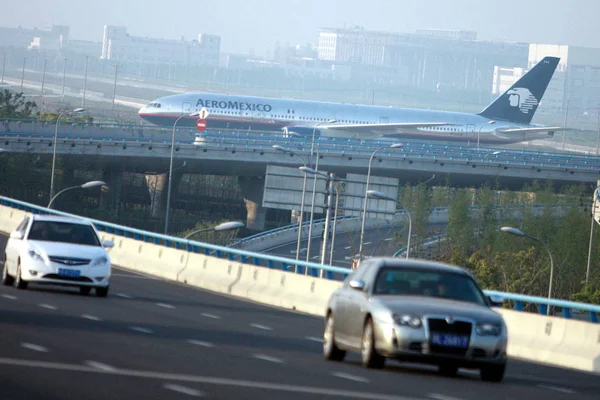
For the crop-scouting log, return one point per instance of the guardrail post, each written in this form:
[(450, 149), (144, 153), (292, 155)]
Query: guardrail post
[(230, 256), (244, 259), (284, 266), (518, 305), (566, 313), (314, 272), (256, 261), (329, 275), (270, 264), (300, 269), (593, 317), (542, 308)]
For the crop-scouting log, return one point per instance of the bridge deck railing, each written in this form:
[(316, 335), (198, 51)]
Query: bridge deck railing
[(275, 262)]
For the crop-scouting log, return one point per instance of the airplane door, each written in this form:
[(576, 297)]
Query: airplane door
[(187, 108), (470, 130)]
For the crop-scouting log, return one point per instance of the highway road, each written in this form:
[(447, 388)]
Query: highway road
[(378, 242), (153, 339)]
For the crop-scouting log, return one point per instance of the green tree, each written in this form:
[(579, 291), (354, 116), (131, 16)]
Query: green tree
[(460, 227), (14, 105)]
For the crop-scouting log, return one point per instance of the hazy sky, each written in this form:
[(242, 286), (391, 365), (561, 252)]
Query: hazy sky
[(259, 24)]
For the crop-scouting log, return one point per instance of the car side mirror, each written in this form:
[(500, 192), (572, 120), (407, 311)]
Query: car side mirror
[(357, 285), (16, 235), (108, 244), (495, 300)]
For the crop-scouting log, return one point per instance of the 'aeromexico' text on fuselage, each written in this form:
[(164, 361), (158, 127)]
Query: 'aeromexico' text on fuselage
[(234, 105)]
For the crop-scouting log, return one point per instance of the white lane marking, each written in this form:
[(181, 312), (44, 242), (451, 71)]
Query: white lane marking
[(263, 327), (366, 244), (140, 329), (347, 247), (183, 390), (437, 396), (125, 296), (100, 366), (210, 316), (314, 339), (48, 306), (90, 317), (165, 305), (350, 377), (557, 388), (9, 296), (268, 358), (211, 380), (388, 239), (34, 347), (200, 343), (135, 276)]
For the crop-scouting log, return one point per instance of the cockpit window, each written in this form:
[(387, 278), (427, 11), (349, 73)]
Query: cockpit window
[(156, 105)]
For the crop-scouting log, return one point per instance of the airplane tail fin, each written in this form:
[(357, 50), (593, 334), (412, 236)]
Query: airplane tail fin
[(519, 103)]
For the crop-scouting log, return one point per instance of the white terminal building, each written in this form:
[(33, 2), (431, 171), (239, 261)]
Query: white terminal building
[(575, 84), (118, 45)]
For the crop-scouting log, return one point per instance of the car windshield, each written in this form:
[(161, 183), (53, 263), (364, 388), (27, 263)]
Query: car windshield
[(418, 282), (64, 232)]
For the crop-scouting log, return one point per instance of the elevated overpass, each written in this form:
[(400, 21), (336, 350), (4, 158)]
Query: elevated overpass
[(247, 154)]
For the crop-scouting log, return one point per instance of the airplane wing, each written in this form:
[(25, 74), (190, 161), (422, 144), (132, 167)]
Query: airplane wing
[(381, 128), (531, 130)]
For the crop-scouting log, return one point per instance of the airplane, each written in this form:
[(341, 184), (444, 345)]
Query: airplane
[(506, 120)]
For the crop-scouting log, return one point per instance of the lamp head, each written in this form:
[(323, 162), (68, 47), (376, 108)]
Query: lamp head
[(225, 226), (512, 231), (92, 184), (378, 195), (396, 146), (78, 110)]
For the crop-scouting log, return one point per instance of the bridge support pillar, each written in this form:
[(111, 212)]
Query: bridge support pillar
[(252, 189), (111, 199), (158, 185)]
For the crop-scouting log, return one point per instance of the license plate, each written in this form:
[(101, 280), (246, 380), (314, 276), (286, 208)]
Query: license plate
[(449, 340), (70, 273)]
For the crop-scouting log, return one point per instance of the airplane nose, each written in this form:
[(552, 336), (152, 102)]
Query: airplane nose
[(142, 111)]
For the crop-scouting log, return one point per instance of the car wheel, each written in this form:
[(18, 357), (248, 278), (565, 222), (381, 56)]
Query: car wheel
[(448, 369), (493, 373), (369, 356), (19, 282), (102, 291), (7, 280), (330, 350), (85, 290)]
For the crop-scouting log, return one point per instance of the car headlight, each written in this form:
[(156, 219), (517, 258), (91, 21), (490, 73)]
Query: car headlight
[(488, 329), (35, 255), (100, 261), (413, 321)]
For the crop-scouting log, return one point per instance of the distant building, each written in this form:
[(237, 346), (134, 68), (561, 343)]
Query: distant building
[(51, 37), (118, 45), (429, 59), (575, 83), (504, 78)]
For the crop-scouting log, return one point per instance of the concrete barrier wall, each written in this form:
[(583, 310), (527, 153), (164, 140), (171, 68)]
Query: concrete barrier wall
[(552, 340), (534, 337)]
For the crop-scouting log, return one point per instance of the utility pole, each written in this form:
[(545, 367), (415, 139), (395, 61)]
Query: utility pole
[(23, 73), (3, 67), (84, 82), (115, 88), (62, 97), (44, 76)]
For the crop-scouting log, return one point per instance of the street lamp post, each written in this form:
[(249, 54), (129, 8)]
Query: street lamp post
[(517, 232), (589, 259), (364, 213), (301, 217), (171, 168), (480, 128), (225, 226), (333, 181), (382, 196), (313, 149), (87, 185), (77, 110)]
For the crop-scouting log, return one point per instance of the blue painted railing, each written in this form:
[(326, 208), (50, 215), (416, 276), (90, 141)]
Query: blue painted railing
[(275, 262)]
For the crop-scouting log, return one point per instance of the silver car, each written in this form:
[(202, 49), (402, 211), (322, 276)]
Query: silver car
[(416, 311)]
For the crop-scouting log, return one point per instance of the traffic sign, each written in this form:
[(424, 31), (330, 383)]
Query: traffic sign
[(201, 124), (203, 113)]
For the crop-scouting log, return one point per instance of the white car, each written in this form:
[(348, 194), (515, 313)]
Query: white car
[(57, 250)]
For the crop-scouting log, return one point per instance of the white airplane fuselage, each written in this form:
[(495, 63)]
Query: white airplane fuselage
[(271, 114)]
